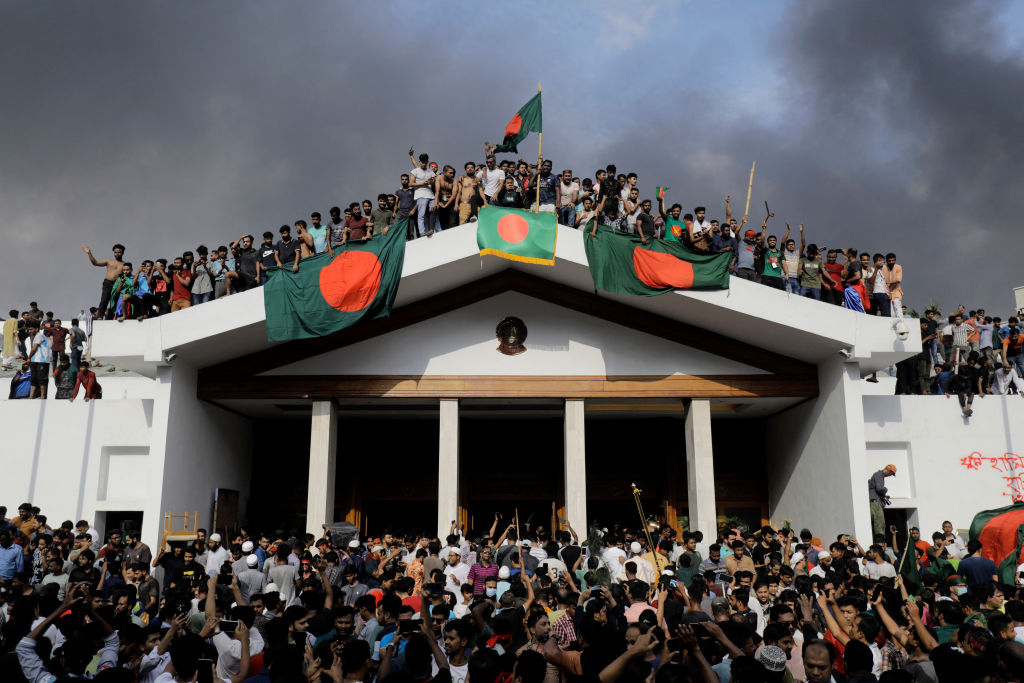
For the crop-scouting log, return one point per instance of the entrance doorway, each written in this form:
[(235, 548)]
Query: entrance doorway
[(510, 463)]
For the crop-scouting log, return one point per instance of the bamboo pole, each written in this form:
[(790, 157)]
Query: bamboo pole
[(750, 188), (540, 148)]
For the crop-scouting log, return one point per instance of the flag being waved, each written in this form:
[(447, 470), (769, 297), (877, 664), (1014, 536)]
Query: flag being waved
[(1001, 534), (528, 119), (622, 264), (330, 294), (525, 236)]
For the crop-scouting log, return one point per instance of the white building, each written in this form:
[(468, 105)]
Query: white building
[(747, 404)]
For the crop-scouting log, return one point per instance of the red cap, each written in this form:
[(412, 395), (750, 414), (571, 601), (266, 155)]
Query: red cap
[(750, 233)]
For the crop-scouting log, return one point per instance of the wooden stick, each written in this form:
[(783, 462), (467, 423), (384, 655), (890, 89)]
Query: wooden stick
[(750, 187), (519, 539), (540, 147)]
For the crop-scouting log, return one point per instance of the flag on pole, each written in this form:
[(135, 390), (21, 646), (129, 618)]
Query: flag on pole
[(528, 119), (1001, 534), (517, 235), (327, 295), (622, 264), (660, 192)]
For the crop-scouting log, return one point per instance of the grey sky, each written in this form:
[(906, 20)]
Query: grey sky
[(885, 126)]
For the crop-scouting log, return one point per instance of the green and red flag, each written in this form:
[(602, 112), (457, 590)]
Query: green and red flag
[(660, 192), (528, 119), (329, 294), (518, 235), (1001, 534), (674, 230), (622, 264)]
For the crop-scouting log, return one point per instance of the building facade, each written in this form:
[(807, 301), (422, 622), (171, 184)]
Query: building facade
[(747, 406)]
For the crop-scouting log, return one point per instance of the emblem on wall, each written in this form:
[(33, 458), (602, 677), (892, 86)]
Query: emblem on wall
[(511, 332)]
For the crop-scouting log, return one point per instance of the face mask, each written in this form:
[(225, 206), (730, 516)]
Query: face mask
[(491, 592), (960, 590)]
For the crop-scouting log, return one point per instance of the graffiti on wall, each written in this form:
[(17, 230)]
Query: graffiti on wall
[(1010, 467)]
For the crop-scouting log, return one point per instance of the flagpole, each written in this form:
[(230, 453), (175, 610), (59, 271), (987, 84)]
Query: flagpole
[(750, 187), (540, 147)]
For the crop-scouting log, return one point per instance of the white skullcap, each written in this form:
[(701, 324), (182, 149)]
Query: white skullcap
[(215, 537), (247, 547), (252, 560), (635, 548), (503, 573)]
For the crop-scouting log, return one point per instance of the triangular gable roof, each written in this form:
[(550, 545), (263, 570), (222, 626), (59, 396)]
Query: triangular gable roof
[(442, 271)]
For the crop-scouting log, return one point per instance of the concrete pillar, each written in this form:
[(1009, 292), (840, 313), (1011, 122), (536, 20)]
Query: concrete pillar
[(700, 469), (448, 466), (323, 442), (575, 467)]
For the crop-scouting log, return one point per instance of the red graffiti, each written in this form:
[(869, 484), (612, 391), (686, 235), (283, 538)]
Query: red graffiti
[(1009, 464)]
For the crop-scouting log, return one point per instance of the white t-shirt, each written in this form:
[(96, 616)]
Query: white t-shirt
[(42, 354), (567, 191), (493, 180), (615, 558), (877, 571), (419, 175), (456, 576)]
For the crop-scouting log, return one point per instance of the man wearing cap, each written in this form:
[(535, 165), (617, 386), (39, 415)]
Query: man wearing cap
[(250, 580), (773, 658), (644, 569), (743, 257), (240, 565), (823, 565), (216, 555), (878, 498), (457, 571)]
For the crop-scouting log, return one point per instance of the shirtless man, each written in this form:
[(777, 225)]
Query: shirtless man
[(465, 188), (113, 266), (444, 191)]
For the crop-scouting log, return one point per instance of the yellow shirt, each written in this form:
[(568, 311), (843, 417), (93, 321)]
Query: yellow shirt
[(10, 337)]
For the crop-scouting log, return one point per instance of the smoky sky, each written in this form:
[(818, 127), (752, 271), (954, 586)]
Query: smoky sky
[(883, 126)]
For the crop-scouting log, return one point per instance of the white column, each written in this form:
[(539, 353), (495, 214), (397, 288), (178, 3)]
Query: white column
[(448, 466), (323, 442), (700, 469), (575, 467)]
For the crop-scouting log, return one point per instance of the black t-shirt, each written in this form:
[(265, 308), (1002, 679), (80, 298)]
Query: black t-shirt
[(267, 256), (569, 554), (286, 250), (89, 575), (245, 264), (171, 565), (113, 558), (760, 553), (189, 576), (645, 222), (405, 201), (853, 268), (512, 200)]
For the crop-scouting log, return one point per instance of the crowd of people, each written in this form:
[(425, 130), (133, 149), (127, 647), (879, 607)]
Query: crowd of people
[(513, 604), (434, 198), (970, 356), (39, 348)]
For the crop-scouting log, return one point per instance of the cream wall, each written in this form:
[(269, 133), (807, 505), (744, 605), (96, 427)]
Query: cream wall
[(948, 467), (560, 341)]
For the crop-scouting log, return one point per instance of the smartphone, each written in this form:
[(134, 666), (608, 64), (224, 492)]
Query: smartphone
[(204, 671), (228, 626), (410, 625)]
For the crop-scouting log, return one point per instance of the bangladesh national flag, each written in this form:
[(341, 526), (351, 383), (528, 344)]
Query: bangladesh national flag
[(527, 119), (1001, 534), (330, 294), (622, 264), (518, 235)]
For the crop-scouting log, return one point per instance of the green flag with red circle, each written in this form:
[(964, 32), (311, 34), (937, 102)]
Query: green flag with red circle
[(622, 264), (528, 119), (330, 293), (518, 235)]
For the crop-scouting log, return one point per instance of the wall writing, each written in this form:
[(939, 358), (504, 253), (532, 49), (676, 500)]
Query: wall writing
[(1010, 467)]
